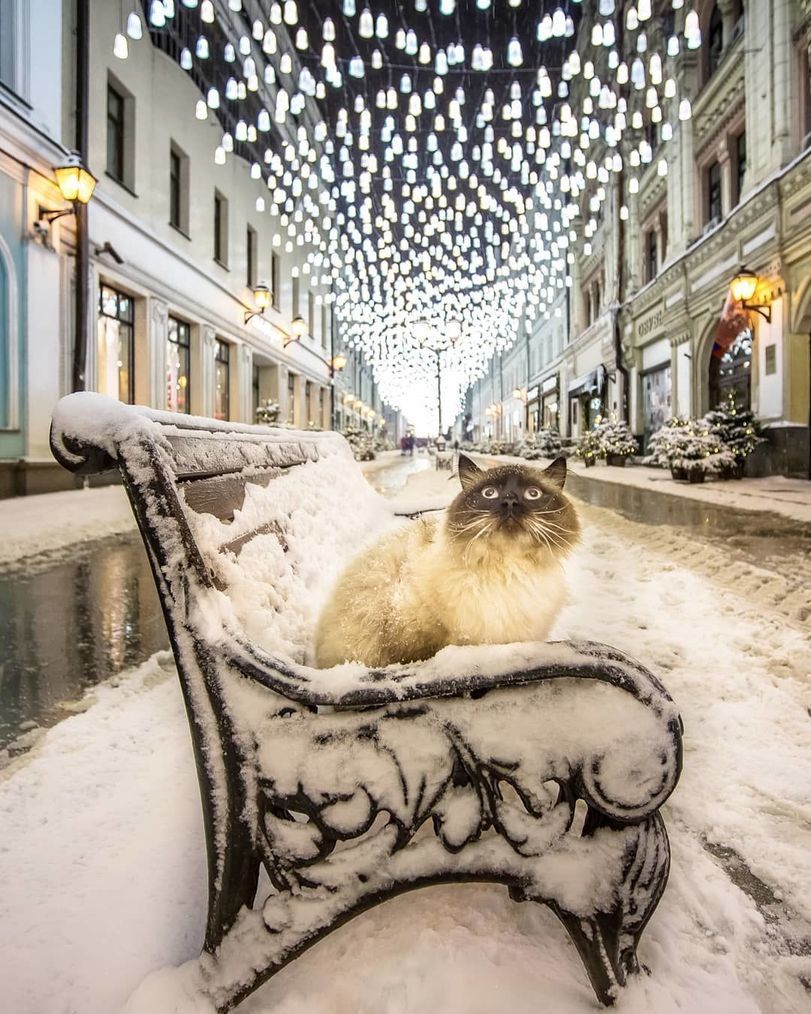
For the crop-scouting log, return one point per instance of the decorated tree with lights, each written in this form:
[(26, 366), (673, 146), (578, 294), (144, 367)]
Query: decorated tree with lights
[(544, 443), (589, 447), (739, 430), (615, 439), (690, 449), (267, 412)]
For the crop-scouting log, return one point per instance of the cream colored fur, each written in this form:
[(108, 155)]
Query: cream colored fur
[(417, 590)]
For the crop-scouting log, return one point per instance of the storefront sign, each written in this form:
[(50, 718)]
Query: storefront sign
[(647, 325)]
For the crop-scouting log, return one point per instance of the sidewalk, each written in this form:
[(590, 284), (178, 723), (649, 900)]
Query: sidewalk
[(791, 498), (51, 521)]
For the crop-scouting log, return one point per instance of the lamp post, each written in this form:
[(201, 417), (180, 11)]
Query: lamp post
[(440, 345)]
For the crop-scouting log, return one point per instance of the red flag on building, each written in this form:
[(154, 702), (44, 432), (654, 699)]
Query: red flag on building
[(734, 319)]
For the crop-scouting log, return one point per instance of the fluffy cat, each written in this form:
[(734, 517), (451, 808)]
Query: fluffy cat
[(488, 572)]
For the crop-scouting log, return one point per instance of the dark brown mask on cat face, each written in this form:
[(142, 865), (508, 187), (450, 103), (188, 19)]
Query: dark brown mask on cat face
[(514, 502)]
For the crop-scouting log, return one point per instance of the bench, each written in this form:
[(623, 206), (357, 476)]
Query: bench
[(541, 767)]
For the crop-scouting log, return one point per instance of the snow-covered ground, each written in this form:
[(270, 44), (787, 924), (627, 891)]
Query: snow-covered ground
[(102, 857), (54, 521)]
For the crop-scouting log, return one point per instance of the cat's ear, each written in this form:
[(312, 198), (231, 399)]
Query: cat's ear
[(469, 472), (556, 473)]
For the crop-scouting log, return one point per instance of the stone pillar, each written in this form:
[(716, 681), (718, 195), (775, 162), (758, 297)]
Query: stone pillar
[(281, 381), (725, 161), (242, 408), (158, 330), (300, 409), (205, 388)]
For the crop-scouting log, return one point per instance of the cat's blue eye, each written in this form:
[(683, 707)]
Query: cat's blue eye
[(490, 492), (532, 493)]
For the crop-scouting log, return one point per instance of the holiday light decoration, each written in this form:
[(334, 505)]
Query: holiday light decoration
[(441, 165)]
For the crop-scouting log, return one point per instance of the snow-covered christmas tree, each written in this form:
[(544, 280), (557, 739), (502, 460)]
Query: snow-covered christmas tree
[(616, 439), (588, 447), (545, 443), (737, 428)]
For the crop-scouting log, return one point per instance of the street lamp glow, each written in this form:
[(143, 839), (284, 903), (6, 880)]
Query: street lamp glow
[(298, 326), (743, 285), (75, 182), (262, 296)]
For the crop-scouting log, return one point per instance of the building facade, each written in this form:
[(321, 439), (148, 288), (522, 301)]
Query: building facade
[(177, 244), (633, 333)]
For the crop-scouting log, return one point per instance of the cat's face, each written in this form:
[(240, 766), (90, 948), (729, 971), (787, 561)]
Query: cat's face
[(514, 504)]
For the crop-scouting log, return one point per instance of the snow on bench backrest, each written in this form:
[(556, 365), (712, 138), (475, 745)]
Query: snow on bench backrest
[(275, 514)]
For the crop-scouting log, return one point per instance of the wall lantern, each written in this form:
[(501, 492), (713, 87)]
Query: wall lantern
[(262, 297), (743, 287), (520, 394), (298, 327), (76, 184), (338, 362)]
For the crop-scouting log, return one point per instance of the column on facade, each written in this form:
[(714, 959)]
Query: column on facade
[(158, 326), (725, 162), (242, 410), (203, 392), (326, 407), (300, 409), (680, 372), (282, 396)]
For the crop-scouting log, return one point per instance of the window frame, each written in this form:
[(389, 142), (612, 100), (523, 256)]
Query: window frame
[(221, 229), (222, 366), (125, 323), (251, 255), (708, 194), (182, 327), (116, 165)]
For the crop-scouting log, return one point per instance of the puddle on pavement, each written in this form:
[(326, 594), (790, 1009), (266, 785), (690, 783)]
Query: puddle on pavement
[(392, 478), (68, 623)]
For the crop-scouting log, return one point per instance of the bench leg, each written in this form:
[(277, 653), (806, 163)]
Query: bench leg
[(607, 941)]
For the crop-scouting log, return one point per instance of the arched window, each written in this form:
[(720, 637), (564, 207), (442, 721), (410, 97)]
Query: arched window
[(731, 372), (715, 40)]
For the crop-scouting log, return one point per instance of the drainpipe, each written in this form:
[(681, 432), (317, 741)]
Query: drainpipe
[(79, 381), (619, 247)]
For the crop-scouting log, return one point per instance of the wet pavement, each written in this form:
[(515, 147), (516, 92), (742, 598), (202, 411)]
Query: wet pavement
[(69, 621), (392, 477)]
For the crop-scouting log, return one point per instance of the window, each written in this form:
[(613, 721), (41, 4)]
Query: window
[(291, 397), (651, 265), (294, 310), (178, 189), (311, 313), (715, 40), (222, 380), (115, 134), (739, 167), (275, 278), (178, 352), (714, 193), (8, 43), (115, 344), (220, 229), (250, 255)]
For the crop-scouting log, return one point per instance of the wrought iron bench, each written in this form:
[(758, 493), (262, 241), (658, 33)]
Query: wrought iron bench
[(540, 767)]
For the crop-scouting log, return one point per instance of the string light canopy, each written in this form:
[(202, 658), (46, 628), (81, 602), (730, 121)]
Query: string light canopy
[(440, 164)]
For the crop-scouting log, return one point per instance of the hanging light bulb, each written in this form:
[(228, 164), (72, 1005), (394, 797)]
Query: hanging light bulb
[(201, 110), (366, 26), (201, 48), (514, 55), (185, 58), (135, 29), (301, 38), (157, 14), (290, 12), (643, 9), (685, 109), (213, 98), (382, 26), (120, 48), (219, 155), (207, 12), (349, 8), (169, 8)]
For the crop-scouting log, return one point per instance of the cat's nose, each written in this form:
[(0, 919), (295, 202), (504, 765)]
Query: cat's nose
[(509, 502)]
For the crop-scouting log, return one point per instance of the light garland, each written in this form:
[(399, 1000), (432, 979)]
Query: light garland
[(448, 167)]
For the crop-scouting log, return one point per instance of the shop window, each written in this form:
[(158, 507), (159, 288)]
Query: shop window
[(220, 229), (739, 167), (222, 380), (713, 193), (275, 276), (730, 372), (178, 356), (116, 344), (291, 397), (250, 256), (657, 405), (178, 189)]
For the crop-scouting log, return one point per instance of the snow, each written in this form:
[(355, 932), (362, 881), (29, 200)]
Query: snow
[(102, 856), (49, 522)]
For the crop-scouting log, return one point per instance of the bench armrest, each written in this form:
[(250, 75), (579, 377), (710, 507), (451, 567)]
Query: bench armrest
[(453, 672)]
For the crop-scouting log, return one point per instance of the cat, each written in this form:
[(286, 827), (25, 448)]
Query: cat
[(488, 572)]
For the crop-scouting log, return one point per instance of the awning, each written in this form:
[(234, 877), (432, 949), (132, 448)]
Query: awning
[(589, 383)]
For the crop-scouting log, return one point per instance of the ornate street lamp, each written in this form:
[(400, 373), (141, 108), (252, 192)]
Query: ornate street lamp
[(262, 297), (743, 287), (76, 184)]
